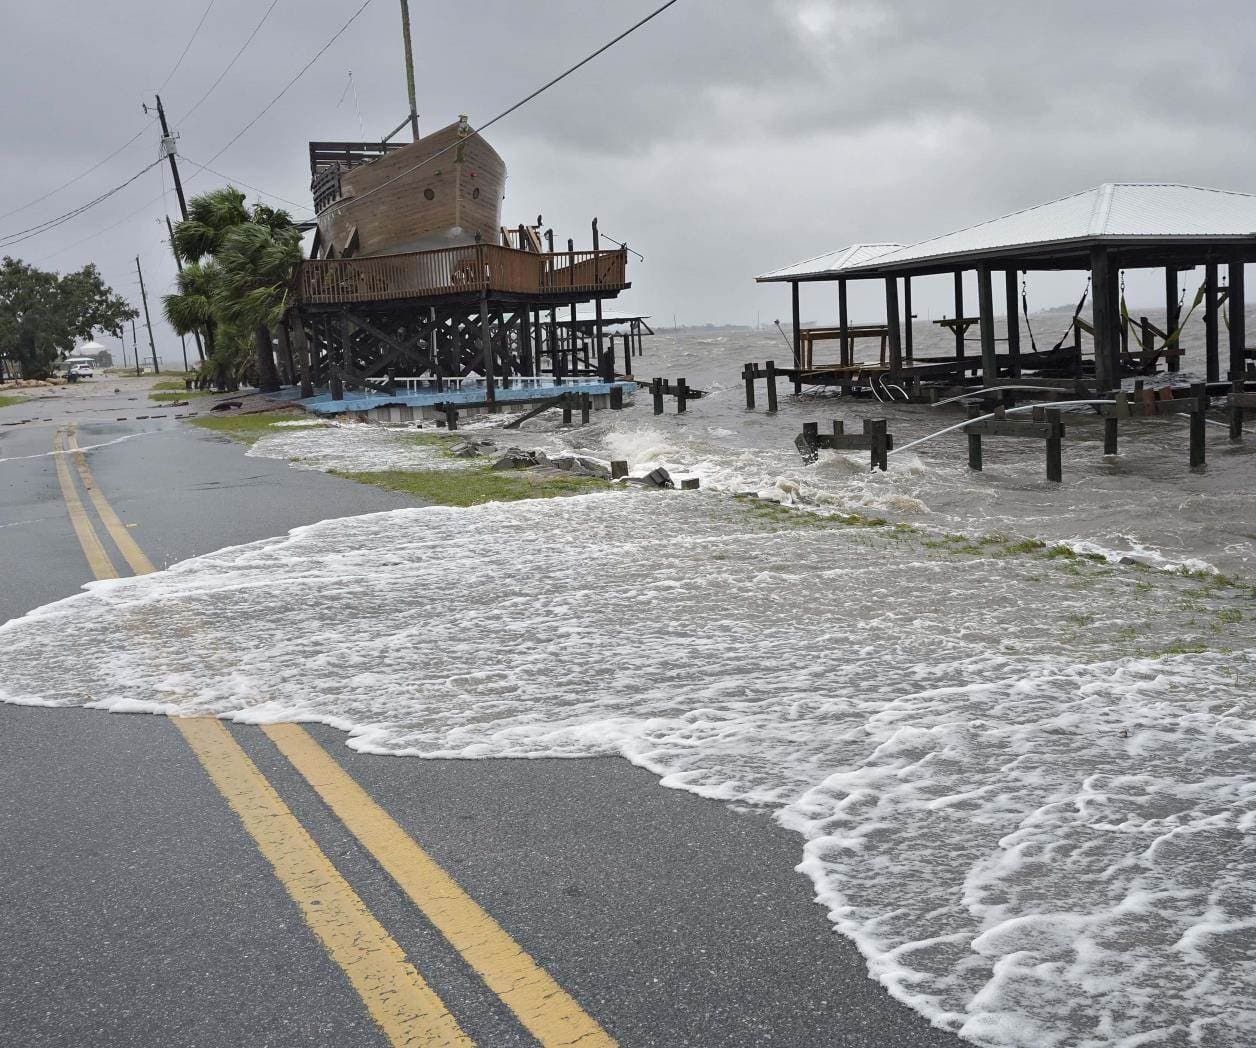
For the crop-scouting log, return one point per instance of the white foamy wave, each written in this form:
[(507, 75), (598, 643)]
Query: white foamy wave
[(354, 447), (1036, 835)]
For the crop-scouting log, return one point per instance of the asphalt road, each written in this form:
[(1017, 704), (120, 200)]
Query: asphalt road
[(138, 911)]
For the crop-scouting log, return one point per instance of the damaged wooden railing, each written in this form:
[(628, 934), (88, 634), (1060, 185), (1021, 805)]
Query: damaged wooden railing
[(455, 270)]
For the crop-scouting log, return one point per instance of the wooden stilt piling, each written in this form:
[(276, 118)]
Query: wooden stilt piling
[(1199, 402), (747, 374), (974, 441), (1055, 445), (770, 369), (656, 387), (682, 396)]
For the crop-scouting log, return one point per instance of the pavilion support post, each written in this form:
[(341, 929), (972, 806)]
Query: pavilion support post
[(907, 332), (525, 342), (1105, 335), (1212, 356), (303, 356), (843, 323), (1172, 317), (336, 381), (985, 302), (1012, 308), (486, 344), (1238, 326), (959, 314), (797, 329), (892, 325)]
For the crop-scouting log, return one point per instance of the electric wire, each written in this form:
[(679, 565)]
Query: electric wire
[(239, 181), (522, 102), (187, 47), (300, 73), (78, 177), (33, 231), (235, 58)]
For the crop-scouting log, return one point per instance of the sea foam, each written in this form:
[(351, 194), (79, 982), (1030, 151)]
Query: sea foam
[(1021, 790)]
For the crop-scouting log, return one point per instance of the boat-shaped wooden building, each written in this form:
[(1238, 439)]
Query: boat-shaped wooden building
[(412, 273), (373, 198)]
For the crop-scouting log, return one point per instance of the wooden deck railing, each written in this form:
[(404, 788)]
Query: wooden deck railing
[(460, 269)]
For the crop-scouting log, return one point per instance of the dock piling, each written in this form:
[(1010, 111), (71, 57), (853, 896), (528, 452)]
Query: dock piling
[(682, 396), (1199, 401), (1055, 445), (770, 369), (974, 441), (656, 387), (747, 374)]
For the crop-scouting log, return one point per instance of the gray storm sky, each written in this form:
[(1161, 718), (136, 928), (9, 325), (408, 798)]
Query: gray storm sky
[(726, 138)]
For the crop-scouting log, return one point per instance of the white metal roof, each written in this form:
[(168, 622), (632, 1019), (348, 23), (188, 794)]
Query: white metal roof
[(831, 263), (1114, 210)]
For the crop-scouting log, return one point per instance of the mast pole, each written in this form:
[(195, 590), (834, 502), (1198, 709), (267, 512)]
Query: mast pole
[(405, 35)]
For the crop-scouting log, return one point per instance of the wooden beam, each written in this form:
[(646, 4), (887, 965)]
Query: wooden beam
[(1172, 315), (892, 323), (1238, 324), (1102, 326), (985, 302), (793, 288), (959, 314), (907, 332), (843, 323), (1212, 336), (1011, 296)]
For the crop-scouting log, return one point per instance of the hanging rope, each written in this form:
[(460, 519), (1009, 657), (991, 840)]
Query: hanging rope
[(1081, 304), (1025, 309)]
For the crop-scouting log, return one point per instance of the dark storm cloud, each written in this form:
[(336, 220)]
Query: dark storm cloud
[(725, 138)]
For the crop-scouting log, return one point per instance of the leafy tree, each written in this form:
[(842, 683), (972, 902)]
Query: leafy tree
[(43, 314), (235, 287)]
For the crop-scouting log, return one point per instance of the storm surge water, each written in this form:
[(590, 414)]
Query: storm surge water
[(1021, 772)]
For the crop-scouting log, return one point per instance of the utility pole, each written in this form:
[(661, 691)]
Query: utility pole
[(147, 319), (405, 35), (135, 348), (169, 148)]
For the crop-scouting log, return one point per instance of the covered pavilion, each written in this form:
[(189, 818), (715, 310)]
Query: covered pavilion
[(1103, 230)]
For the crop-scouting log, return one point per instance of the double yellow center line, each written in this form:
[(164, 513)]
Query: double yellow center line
[(405, 1007)]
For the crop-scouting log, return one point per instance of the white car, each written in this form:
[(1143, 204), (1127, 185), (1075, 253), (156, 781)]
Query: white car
[(81, 371)]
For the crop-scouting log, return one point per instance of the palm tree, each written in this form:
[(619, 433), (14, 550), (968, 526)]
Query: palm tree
[(240, 268), (255, 265), (210, 215), (191, 307)]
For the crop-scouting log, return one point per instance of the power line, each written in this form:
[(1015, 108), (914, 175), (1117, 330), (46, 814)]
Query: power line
[(240, 181), (235, 58), (300, 73), (187, 47), (78, 177), (523, 101), (33, 231)]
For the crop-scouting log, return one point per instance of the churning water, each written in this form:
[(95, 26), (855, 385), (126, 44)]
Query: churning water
[(1021, 777)]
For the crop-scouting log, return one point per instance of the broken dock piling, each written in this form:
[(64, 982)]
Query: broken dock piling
[(875, 439)]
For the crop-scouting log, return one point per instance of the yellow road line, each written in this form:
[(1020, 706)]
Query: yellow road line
[(401, 1002), (549, 1013), (97, 559), (133, 555)]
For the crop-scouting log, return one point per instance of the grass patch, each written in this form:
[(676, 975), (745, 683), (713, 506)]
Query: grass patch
[(473, 487), (7, 400), (247, 429)]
